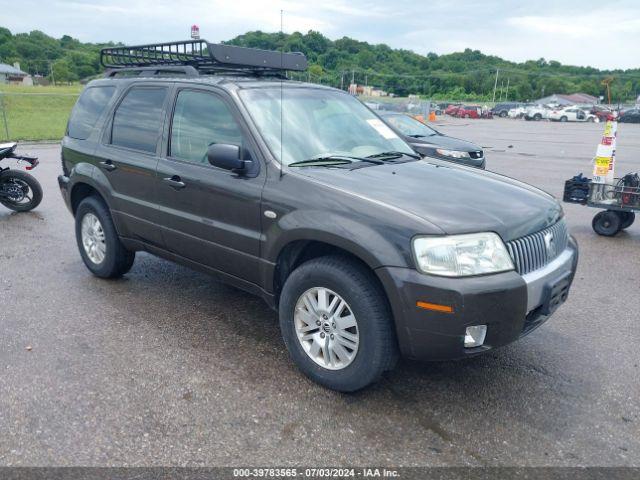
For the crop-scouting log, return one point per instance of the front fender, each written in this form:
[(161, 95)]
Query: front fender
[(381, 246)]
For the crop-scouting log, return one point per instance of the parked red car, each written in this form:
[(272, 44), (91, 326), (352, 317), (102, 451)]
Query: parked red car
[(469, 111), (603, 113), (452, 109)]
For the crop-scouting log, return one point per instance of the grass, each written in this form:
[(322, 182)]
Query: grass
[(36, 113)]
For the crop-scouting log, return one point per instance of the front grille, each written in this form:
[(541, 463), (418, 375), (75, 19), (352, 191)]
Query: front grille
[(538, 249), (476, 155)]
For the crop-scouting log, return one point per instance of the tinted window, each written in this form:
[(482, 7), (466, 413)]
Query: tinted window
[(87, 110), (201, 119), (138, 119)]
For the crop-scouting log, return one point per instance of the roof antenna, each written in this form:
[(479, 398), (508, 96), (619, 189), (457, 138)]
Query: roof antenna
[(281, 93)]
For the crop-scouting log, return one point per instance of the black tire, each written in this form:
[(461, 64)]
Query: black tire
[(537, 117), (25, 182), (377, 350), (117, 259), (626, 219), (606, 223), (563, 119), (503, 114)]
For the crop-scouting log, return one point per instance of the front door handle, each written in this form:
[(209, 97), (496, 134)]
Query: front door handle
[(175, 182), (108, 165)]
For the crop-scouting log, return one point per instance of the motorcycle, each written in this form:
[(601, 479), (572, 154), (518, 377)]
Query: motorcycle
[(19, 191)]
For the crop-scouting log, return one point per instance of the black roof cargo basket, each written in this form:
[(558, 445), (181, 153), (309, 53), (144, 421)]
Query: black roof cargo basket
[(201, 56)]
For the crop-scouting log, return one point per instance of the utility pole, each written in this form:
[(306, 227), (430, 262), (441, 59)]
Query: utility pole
[(4, 116), (495, 85), (501, 89), (506, 95), (341, 80), (53, 80)]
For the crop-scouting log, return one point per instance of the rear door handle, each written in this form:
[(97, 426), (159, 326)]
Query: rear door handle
[(175, 182), (108, 165)]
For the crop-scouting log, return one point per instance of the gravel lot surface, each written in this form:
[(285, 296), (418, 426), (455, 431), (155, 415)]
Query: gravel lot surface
[(168, 367)]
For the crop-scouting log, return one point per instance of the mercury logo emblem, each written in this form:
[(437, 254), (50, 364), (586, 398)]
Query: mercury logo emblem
[(550, 244)]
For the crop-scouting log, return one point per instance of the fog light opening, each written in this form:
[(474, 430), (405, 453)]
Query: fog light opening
[(474, 336)]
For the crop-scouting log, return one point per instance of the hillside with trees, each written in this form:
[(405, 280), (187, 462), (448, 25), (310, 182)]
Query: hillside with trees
[(462, 75)]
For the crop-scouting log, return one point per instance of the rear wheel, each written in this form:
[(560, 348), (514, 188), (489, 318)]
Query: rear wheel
[(336, 323), (98, 242), (20, 191), (626, 219), (503, 114), (537, 117), (606, 223), (563, 119)]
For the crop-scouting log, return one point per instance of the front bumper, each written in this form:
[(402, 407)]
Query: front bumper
[(509, 304)]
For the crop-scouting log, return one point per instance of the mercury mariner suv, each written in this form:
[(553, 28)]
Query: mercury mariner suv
[(206, 155)]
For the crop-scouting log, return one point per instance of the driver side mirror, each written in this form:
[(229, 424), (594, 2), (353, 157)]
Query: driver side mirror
[(228, 157)]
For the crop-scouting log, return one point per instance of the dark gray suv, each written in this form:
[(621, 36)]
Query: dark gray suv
[(300, 194)]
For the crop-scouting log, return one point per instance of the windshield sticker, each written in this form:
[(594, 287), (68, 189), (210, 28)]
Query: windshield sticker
[(382, 129)]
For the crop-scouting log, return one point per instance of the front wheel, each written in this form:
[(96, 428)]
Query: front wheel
[(98, 242), (336, 323), (563, 119), (606, 223), (19, 191)]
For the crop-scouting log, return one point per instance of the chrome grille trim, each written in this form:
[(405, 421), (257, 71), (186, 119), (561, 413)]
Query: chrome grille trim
[(530, 253)]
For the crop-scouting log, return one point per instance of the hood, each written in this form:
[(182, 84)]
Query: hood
[(454, 198), (442, 141)]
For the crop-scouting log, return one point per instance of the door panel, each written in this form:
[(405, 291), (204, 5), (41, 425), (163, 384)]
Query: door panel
[(128, 160), (208, 215)]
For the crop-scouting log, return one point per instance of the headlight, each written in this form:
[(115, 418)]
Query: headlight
[(452, 153), (462, 255)]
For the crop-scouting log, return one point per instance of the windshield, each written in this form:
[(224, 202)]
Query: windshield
[(318, 123), (410, 126)]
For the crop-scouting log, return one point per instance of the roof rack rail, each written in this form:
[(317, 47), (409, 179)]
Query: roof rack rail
[(186, 70), (200, 55)]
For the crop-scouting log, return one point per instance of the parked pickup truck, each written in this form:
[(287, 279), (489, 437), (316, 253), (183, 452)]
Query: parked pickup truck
[(300, 194)]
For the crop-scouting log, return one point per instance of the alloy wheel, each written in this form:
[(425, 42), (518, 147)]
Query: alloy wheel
[(326, 328), (93, 239)]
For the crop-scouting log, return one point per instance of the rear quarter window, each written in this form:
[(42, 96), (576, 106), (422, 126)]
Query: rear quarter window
[(87, 110)]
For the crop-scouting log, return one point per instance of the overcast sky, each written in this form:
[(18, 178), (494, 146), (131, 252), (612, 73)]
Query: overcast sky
[(604, 34)]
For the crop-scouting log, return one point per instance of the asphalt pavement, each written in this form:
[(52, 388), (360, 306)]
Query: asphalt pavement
[(168, 367)]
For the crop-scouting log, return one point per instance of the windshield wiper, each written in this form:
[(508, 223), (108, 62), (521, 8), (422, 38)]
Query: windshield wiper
[(334, 160), (394, 154), (417, 135)]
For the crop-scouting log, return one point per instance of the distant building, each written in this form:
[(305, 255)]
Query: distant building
[(13, 74), (573, 99), (366, 91)]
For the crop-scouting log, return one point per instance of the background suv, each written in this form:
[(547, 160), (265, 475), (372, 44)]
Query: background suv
[(502, 109)]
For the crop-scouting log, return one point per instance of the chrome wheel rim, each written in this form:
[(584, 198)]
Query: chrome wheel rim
[(93, 240), (326, 328)]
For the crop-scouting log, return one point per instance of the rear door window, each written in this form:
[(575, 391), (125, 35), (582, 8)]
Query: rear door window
[(87, 110), (138, 119)]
